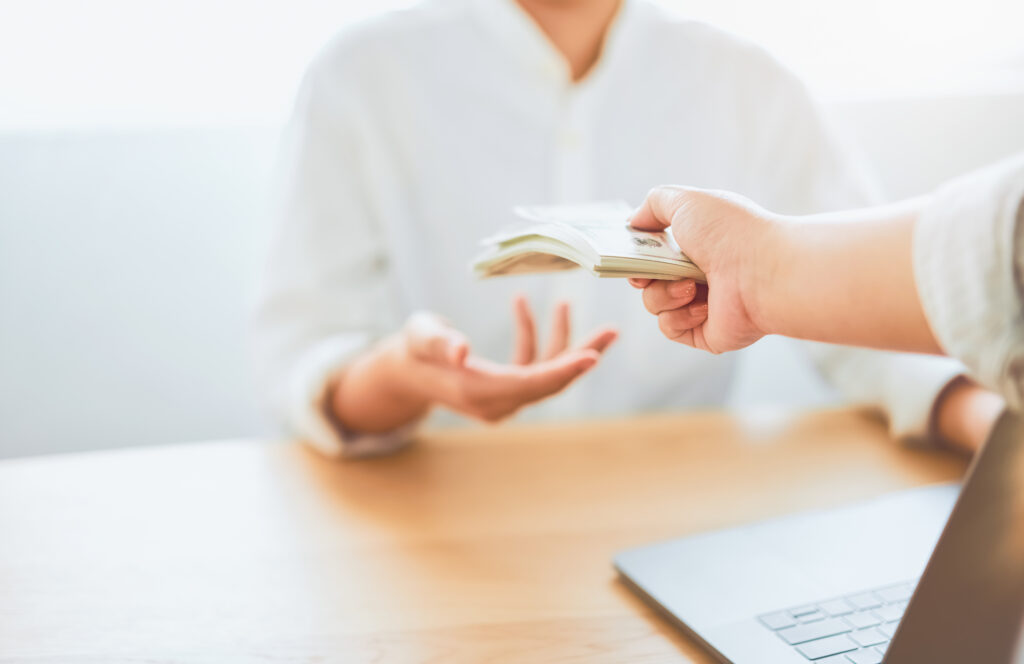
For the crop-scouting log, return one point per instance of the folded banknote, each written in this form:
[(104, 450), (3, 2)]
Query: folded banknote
[(594, 236)]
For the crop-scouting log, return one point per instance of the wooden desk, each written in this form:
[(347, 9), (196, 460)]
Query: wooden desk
[(483, 545)]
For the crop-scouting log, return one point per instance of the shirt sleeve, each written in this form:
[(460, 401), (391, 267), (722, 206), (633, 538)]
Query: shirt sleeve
[(817, 172), (904, 385), (968, 263), (326, 294)]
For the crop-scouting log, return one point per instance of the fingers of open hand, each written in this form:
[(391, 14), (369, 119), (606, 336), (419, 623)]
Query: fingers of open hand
[(561, 331), (526, 332), (493, 392), (600, 339), (552, 376), (661, 296), (432, 339)]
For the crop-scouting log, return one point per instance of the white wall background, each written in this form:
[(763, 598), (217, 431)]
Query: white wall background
[(126, 263), (136, 140), (118, 63)]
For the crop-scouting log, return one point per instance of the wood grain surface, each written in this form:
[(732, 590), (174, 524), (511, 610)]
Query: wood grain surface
[(476, 545)]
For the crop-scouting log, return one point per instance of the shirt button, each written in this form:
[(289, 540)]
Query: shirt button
[(570, 139)]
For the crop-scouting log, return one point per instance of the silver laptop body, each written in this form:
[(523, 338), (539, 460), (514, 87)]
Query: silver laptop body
[(841, 586)]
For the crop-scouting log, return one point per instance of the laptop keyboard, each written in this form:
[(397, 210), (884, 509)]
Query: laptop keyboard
[(854, 629)]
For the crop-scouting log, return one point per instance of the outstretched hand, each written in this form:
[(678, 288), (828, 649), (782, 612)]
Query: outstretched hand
[(442, 364)]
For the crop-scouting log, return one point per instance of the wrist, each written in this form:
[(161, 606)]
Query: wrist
[(965, 413), (398, 375), (378, 391), (765, 286)]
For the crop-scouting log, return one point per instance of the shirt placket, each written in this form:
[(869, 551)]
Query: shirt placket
[(572, 169), (573, 176)]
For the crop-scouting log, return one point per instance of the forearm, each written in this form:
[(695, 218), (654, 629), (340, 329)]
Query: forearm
[(376, 393), (847, 278)]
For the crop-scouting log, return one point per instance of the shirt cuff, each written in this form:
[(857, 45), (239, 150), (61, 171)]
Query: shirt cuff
[(307, 392), (912, 397), (904, 385), (964, 265)]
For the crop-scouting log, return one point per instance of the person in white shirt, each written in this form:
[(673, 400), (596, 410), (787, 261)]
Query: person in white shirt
[(416, 131), (938, 274)]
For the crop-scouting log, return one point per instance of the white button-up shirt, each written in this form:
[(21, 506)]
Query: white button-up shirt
[(416, 132)]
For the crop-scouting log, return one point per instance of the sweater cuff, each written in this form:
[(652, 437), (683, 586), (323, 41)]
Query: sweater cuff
[(964, 266), (307, 392)]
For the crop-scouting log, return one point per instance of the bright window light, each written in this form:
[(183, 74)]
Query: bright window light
[(882, 47), (68, 63)]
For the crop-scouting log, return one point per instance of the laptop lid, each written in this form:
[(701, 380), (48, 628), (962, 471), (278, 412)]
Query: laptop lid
[(969, 603)]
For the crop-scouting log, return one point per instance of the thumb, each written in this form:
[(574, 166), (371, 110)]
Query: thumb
[(431, 338), (658, 209)]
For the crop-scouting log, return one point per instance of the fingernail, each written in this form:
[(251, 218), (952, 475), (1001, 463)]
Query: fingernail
[(682, 289)]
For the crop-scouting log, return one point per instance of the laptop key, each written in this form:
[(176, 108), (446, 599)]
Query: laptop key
[(868, 637), (862, 619), (811, 617), (866, 600), (812, 631), (897, 593), (864, 657), (803, 611), (891, 612), (836, 607), (777, 620), (853, 629), (822, 648)]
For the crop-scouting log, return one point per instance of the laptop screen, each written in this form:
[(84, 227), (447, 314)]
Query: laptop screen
[(969, 604)]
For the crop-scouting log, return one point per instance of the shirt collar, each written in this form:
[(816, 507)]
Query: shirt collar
[(519, 33)]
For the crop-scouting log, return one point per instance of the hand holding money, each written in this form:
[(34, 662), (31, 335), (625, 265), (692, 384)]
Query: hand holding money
[(596, 237), (717, 230), (843, 277)]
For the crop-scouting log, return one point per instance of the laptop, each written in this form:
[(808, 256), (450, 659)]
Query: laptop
[(932, 575)]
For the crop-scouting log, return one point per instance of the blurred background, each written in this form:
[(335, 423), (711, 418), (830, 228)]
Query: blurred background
[(137, 141)]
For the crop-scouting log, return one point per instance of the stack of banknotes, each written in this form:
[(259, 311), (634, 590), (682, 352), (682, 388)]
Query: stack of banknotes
[(594, 236)]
